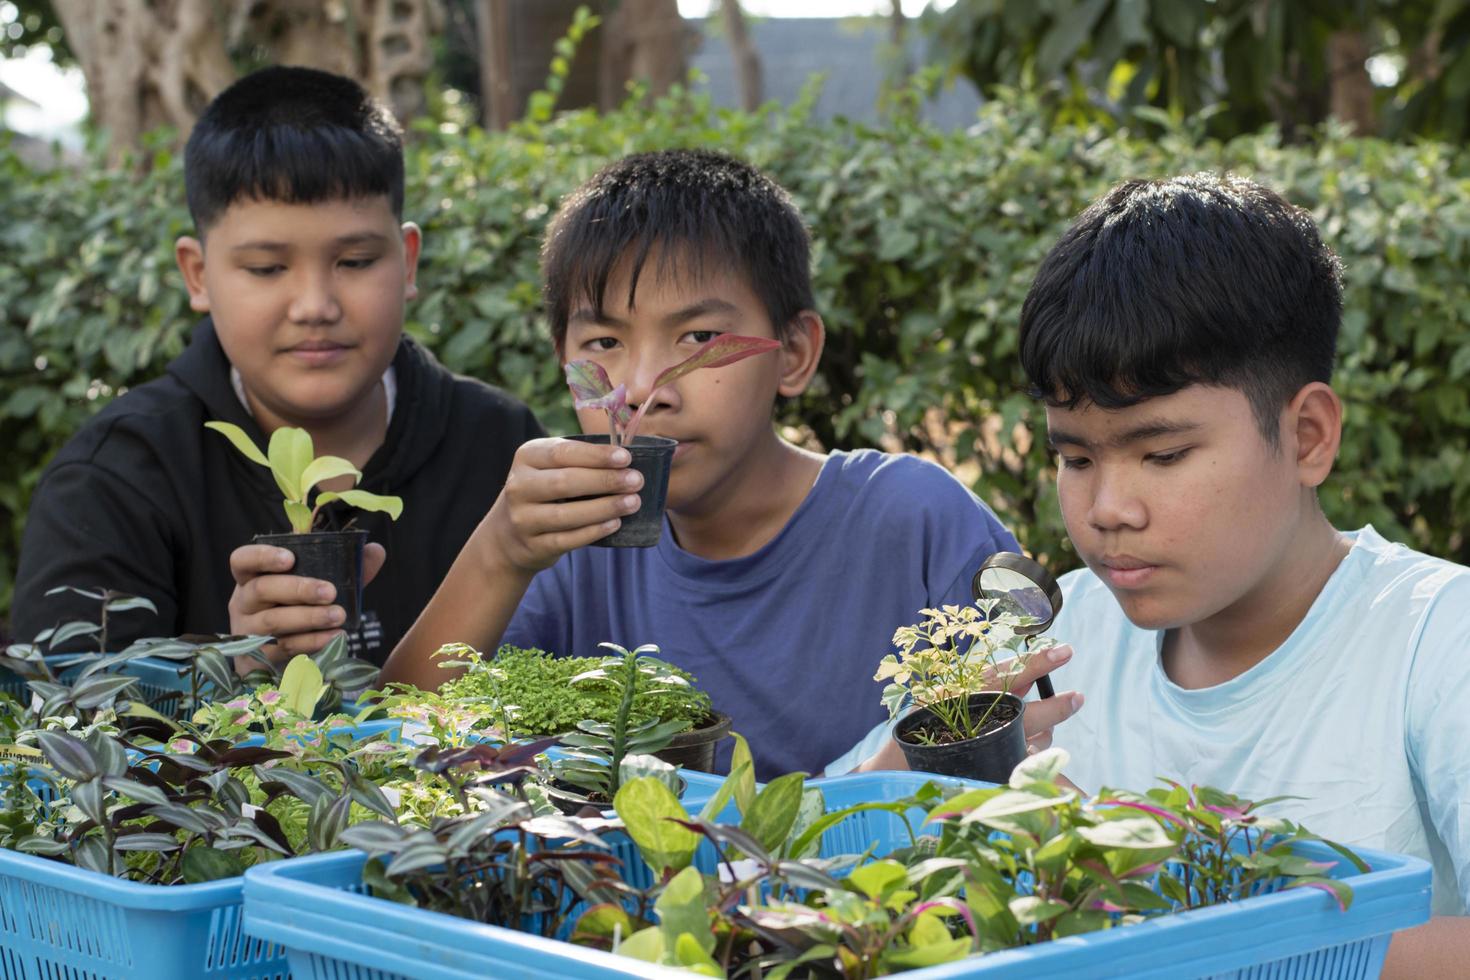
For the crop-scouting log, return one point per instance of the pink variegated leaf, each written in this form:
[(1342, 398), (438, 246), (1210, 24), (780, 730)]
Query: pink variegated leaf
[(719, 351), (1340, 891), (613, 402), (593, 389), (588, 381)]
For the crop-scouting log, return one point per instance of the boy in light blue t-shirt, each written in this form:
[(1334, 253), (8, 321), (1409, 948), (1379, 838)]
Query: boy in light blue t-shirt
[(782, 573), (1182, 334)]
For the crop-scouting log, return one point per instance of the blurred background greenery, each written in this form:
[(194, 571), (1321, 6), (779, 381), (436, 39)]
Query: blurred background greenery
[(927, 232)]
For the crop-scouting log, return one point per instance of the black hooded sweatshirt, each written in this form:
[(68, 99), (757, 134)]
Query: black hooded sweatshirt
[(145, 500)]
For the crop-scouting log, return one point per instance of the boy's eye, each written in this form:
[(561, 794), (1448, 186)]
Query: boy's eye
[(1074, 462), (597, 344), (702, 336), (359, 263), (1167, 459), (263, 270)]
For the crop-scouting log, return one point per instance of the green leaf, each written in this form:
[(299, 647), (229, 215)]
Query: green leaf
[(240, 440), (645, 944), (290, 454), (1043, 767), (742, 762), (1130, 832), (773, 812), (363, 500), (326, 468), (690, 954), (1030, 910), (1066, 37), (645, 806), (298, 515), (682, 910), (717, 803), (301, 686), (875, 878), (203, 864)]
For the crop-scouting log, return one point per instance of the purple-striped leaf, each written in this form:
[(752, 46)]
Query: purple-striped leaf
[(719, 351)]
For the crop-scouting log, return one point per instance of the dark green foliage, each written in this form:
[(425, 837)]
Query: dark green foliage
[(925, 245), (539, 687)]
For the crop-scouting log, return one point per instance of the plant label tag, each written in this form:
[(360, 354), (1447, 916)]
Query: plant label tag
[(745, 868), (21, 753)]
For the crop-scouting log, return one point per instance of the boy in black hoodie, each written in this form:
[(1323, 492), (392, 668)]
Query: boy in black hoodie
[(302, 266)]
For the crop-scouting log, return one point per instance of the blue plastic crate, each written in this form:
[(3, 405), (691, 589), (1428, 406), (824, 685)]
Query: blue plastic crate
[(160, 683), (59, 921), (316, 908)]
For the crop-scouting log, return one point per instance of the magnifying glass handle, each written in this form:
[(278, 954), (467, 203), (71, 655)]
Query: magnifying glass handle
[(1044, 688)]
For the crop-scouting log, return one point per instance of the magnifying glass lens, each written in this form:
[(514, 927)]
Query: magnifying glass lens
[(1016, 594)]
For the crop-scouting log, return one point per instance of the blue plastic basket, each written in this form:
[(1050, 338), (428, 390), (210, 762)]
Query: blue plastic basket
[(161, 685), (316, 908), (59, 921)]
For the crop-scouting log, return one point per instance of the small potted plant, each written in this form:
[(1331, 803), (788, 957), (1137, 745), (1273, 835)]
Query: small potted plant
[(544, 695), (946, 673), (333, 556), (652, 455)]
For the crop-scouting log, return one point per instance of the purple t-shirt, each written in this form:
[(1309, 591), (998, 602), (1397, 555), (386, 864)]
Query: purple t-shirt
[(785, 640)]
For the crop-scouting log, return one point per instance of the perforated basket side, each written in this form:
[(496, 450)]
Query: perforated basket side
[(59, 921)]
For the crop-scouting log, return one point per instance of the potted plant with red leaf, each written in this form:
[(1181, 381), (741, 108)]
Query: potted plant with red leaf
[(653, 456)]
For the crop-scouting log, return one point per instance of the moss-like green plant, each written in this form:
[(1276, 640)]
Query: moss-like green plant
[(537, 692)]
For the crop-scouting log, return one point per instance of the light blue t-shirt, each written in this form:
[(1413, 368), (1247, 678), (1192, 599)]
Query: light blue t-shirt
[(1363, 713), (785, 640)]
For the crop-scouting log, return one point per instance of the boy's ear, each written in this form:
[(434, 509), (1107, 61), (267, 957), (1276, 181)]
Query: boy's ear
[(801, 351), (1316, 416), (189, 254), (413, 240)]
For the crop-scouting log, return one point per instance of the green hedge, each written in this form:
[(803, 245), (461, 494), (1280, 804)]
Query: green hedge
[(926, 243)]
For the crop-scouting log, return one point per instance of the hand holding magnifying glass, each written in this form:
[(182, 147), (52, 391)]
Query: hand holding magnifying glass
[(1020, 586)]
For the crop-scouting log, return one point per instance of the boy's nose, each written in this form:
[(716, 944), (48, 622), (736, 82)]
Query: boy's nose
[(315, 302), (640, 382), (1115, 504)]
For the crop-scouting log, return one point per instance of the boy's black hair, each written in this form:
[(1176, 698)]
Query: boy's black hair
[(294, 135), (700, 209), (1200, 279)]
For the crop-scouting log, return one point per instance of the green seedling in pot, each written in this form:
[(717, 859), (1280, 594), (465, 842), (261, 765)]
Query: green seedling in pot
[(297, 471), (593, 389)]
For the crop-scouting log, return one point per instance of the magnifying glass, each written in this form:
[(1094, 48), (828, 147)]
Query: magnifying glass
[(1020, 586)]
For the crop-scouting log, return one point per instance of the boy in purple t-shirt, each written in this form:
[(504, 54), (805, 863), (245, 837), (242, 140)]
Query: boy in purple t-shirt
[(782, 573)]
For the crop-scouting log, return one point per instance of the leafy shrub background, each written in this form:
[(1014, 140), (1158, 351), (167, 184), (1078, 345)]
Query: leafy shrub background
[(926, 242)]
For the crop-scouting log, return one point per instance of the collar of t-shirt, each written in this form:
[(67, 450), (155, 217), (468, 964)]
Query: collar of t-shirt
[(390, 390)]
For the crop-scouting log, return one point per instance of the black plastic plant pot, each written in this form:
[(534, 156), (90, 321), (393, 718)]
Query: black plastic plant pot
[(990, 756), (333, 556), (695, 749), (652, 456)]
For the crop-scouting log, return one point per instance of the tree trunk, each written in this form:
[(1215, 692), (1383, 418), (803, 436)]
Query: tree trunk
[(645, 40), (383, 44), (497, 88), (747, 59), (148, 63), (1351, 89)]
